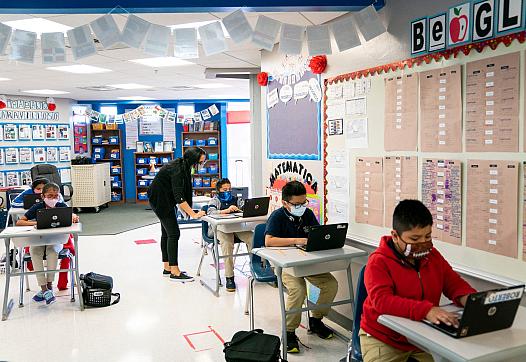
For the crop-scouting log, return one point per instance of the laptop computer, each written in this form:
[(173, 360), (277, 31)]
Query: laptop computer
[(54, 218), (325, 237), (31, 199), (257, 206), (485, 312)]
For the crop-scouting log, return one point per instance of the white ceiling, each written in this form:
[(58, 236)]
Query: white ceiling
[(35, 76)]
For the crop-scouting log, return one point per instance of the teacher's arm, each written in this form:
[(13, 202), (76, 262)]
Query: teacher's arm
[(178, 190), (189, 211)]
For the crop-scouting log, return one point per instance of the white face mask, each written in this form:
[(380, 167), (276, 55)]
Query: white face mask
[(50, 202), (298, 211)]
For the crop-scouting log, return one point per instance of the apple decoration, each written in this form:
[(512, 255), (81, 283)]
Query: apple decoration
[(51, 104), (318, 64), (3, 102), (458, 26), (263, 79)]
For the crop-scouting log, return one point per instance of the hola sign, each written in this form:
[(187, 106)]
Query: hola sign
[(467, 22)]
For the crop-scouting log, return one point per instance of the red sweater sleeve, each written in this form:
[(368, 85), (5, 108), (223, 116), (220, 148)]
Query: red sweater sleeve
[(380, 289), (454, 286)]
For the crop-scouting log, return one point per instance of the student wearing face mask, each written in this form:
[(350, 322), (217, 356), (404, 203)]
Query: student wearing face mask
[(226, 203), (288, 226), (36, 188), (172, 187), (51, 199), (405, 277)]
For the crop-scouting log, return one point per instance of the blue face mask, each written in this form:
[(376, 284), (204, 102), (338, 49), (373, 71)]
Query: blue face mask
[(225, 196), (298, 211)]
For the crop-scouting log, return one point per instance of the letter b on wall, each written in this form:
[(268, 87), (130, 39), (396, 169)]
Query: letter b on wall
[(418, 36)]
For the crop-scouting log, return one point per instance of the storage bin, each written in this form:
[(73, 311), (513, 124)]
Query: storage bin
[(206, 181), (142, 171), (116, 170), (111, 126), (142, 196), (212, 141), (153, 159), (141, 161), (98, 126), (165, 160), (116, 197), (198, 182), (115, 178), (98, 150), (212, 168), (200, 143), (116, 184), (114, 140), (142, 183), (188, 142), (96, 140), (115, 155), (212, 156), (202, 171), (98, 156)]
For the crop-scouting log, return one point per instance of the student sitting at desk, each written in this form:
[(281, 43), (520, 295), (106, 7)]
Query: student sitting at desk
[(36, 188), (288, 226), (51, 197), (405, 277), (225, 203)]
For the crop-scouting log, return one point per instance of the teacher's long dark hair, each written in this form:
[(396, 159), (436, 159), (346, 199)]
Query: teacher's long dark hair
[(171, 188)]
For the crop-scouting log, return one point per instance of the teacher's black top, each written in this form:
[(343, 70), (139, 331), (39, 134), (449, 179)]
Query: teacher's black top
[(171, 186)]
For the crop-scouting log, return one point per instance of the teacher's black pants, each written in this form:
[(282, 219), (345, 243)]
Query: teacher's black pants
[(170, 238)]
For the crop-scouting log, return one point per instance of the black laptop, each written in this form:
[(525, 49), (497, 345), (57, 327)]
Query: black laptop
[(54, 218), (31, 199), (485, 312), (257, 206), (325, 237)]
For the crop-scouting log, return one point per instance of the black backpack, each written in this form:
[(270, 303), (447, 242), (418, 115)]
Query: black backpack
[(253, 346)]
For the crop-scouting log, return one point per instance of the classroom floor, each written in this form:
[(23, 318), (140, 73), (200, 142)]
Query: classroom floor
[(156, 319)]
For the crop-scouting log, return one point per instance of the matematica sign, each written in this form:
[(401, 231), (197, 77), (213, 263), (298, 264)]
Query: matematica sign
[(470, 21)]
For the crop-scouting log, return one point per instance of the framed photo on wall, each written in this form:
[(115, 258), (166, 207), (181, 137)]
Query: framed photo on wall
[(25, 178), (11, 156), (25, 155), (51, 132), (39, 154), (24, 132), (39, 132), (2, 157), (52, 154), (12, 179), (64, 154), (10, 132), (63, 132)]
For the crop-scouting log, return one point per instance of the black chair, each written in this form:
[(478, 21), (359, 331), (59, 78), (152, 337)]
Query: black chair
[(51, 173)]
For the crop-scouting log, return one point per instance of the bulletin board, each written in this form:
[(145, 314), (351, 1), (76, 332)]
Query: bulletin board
[(471, 142)]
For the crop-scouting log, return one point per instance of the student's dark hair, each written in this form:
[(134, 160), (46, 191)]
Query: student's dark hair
[(50, 186), (409, 214), (192, 155), (222, 182), (292, 188), (39, 181)]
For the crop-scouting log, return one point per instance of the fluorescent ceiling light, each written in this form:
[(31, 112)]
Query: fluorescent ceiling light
[(38, 25), (212, 85), (197, 25), (161, 62), (136, 98), (3, 79), (80, 69), (130, 86), (47, 92)]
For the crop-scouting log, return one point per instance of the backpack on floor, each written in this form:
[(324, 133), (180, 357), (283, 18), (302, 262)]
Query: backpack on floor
[(253, 346), (97, 290)]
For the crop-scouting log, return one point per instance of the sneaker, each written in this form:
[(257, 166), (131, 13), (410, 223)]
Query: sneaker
[(183, 277), (39, 297), (230, 284), (292, 343), (166, 273), (317, 326), (50, 297)]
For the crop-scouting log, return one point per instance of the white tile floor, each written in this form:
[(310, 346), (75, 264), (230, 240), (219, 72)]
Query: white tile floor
[(154, 315)]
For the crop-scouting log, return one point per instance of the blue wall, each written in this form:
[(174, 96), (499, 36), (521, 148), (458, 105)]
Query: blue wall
[(129, 162)]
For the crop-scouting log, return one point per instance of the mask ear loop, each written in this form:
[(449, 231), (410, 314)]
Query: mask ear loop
[(407, 250)]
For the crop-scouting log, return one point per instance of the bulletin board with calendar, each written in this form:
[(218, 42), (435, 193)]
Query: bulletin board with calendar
[(449, 133), (30, 134)]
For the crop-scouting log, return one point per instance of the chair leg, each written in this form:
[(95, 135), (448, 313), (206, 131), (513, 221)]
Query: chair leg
[(72, 277), (198, 273), (28, 289), (251, 286), (21, 291), (247, 299)]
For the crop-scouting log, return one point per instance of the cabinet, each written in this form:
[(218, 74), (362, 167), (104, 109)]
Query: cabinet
[(143, 175), (106, 147), (205, 180), (91, 184)]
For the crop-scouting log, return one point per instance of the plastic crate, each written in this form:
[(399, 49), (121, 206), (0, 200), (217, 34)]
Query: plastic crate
[(114, 140), (96, 140), (200, 143), (198, 182), (115, 155), (116, 184), (212, 141), (141, 161), (111, 126), (115, 178), (98, 126), (98, 150), (206, 181), (116, 197), (212, 168), (213, 156), (142, 196), (98, 156), (142, 171), (142, 183), (188, 142), (116, 170), (202, 170), (165, 160)]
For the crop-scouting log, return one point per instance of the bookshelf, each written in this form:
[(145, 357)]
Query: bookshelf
[(204, 183), (142, 161), (106, 146)]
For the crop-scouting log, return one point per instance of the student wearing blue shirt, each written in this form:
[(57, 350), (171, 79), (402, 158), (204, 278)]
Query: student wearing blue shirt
[(288, 226), (51, 198), (36, 188)]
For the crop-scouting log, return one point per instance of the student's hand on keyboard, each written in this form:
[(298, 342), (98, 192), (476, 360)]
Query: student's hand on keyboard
[(75, 218), (301, 241), (232, 209), (438, 315)]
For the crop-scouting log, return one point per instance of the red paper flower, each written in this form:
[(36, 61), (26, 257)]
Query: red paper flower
[(3, 102), (318, 64), (263, 79), (51, 104)]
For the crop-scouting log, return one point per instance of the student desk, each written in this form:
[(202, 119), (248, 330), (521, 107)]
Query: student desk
[(228, 225), (300, 263), (30, 236), (503, 345)]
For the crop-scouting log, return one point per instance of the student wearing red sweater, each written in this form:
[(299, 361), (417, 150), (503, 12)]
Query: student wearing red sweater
[(405, 277)]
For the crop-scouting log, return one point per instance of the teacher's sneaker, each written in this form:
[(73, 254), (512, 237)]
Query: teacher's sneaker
[(39, 297), (183, 277), (166, 273), (50, 297)]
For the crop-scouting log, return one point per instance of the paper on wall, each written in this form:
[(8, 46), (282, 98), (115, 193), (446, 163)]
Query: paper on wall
[(356, 106), (337, 159), (338, 211), (132, 134), (356, 135), (272, 98)]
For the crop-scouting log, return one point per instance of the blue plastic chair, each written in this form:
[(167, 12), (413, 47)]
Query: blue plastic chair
[(360, 295), (260, 269)]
